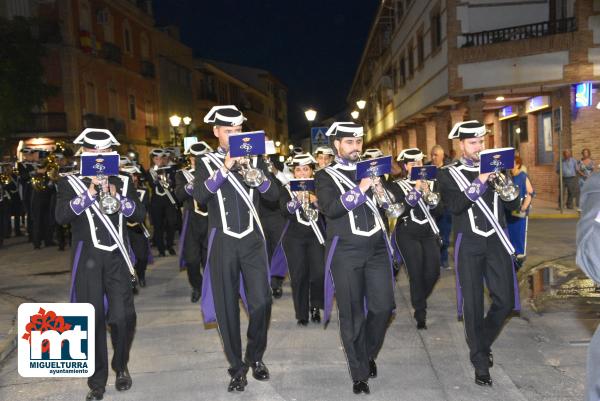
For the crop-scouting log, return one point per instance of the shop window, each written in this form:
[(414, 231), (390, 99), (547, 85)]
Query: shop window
[(544, 138)]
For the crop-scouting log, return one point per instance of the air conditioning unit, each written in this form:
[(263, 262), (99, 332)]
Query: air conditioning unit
[(102, 16)]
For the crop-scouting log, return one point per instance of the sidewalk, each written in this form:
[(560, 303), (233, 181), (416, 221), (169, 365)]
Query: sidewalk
[(543, 209)]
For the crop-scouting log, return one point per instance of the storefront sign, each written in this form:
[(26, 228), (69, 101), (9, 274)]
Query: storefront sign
[(583, 94), (507, 112), (537, 103)]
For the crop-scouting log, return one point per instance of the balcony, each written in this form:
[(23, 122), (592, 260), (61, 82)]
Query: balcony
[(520, 32), (45, 122), (94, 121), (111, 52), (147, 69)]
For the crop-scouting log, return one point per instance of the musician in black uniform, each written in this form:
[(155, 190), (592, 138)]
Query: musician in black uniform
[(43, 190), (163, 203), (358, 255), (236, 245), (101, 266), (324, 156), (139, 236), (417, 235), (480, 250), (26, 169), (193, 240), (303, 244)]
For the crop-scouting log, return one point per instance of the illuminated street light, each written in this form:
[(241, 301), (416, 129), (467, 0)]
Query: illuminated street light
[(310, 114), (361, 104), (355, 114), (175, 120)]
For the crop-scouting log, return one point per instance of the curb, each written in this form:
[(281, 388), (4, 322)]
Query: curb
[(553, 216)]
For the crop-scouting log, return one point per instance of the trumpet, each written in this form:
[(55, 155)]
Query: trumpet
[(252, 176), (504, 186), (108, 203), (385, 199), (311, 214), (164, 180), (431, 198)]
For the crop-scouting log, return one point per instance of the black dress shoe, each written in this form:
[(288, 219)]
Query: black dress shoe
[(142, 282), (196, 293), (260, 371), (277, 293), (237, 383), (171, 251), (421, 325), (95, 394), (315, 315), (123, 381), (483, 379), (490, 359), (372, 368), (360, 386), (302, 322)]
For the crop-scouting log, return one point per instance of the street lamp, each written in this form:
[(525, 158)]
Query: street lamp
[(175, 120), (354, 114), (361, 104), (310, 114), (277, 143), (291, 147), (187, 120)]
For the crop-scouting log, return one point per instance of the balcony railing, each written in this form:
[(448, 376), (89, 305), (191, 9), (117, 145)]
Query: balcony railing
[(520, 32), (94, 121), (147, 69), (45, 122), (111, 52)]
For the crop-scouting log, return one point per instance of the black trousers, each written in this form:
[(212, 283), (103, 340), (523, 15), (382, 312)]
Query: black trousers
[(139, 246), (362, 268), (305, 257), (101, 273), (164, 219), (228, 258), (194, 248), (480, 259), (42, 218), (273, 226), (421, 255)]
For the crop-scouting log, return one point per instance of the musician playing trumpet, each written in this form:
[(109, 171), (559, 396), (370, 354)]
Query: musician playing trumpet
[(416, 233), (303, 242)]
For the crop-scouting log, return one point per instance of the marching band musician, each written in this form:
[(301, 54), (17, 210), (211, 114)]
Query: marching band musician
[(43, 189), (193, 241), (323, 156), (357, 256), (417, 235), (102, 269), (236, 248), (26, 169), (163, 204), (139, 236), (481, 248), (303, 244)]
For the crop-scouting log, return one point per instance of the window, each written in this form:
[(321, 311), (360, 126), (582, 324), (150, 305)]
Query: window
[(90, 98), (544, 138), (436, 29), (402, 80), (411, 60), (113, 103), (149, 111), (420, 49), (144, 46), (127, 45), (132, 110), (85, 16), (399, 10)]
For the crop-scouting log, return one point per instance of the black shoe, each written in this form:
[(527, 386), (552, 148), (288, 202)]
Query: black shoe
[(302, 322), (259, 371), (161, 254), (123, 381), (277, 293), (142, 282), (421, 325), (171, 251), (483, 379), (360, 386), (315, 315), (196, 293), (95, 394), (490, 359), (372, 368), (135, 290), (237, 383)]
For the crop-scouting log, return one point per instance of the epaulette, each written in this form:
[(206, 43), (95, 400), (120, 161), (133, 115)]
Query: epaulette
[(67, 173), (454, 163)]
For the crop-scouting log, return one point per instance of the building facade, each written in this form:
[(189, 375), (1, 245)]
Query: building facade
[(515, 65)]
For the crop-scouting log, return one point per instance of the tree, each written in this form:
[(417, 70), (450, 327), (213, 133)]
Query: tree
[(22, 86)]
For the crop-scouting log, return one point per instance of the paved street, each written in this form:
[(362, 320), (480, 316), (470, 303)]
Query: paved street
[(539, 356)]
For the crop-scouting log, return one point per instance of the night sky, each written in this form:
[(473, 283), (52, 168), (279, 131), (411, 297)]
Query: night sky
[(312, 46)]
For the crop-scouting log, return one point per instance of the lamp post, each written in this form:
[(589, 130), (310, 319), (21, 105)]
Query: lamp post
[(361, 104), (175, 120), (310, 115), (186, 121), (355, 114)]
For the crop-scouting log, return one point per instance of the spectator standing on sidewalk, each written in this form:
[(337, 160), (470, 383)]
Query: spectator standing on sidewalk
[(569, 174), (585, 166), (517, 220), (588, 259)]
